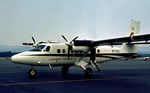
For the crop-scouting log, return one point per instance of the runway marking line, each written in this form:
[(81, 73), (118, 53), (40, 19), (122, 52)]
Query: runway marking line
[(65, 81)]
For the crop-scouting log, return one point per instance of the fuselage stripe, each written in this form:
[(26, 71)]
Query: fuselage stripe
[(109, 55)]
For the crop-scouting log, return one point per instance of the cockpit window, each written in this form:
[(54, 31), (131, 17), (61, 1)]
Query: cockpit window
[(47, 48), (35, 49), (38, 48), (41, 47)]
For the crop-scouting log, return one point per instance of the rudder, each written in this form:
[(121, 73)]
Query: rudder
[(134, 28)]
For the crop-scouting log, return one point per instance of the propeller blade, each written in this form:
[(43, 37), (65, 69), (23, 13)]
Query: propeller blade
[(68, 52), (69, 49), (24, 43), (41, 42), (33, 39), (29, 44), (93, 54), (74, 39), (64, 38)]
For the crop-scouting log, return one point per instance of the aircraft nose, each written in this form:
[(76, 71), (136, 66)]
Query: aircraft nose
[(14, 58)]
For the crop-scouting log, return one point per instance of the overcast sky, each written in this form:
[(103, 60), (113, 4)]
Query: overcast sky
[(88, 19)]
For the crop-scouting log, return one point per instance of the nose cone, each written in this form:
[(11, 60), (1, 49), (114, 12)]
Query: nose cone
[(14, 58)]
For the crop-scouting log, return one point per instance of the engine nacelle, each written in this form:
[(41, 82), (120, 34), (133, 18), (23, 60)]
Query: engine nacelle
[(83, 42), (80, 48)]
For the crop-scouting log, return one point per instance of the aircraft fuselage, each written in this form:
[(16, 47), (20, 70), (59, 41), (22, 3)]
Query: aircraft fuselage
[(57, 55)]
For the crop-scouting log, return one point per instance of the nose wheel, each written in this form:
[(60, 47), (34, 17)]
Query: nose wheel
[(88, 73), (32, 72)]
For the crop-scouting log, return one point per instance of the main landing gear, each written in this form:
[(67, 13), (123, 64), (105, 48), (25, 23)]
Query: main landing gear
[(64, 70), (88, 72), (32, 72)]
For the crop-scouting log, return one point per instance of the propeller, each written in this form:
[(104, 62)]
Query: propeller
[(69, 44), (34, 44)]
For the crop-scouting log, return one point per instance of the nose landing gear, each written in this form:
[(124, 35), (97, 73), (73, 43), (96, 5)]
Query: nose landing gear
[(32, 73)]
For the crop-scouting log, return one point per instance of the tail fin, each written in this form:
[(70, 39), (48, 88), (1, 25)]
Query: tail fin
[(134, 28)]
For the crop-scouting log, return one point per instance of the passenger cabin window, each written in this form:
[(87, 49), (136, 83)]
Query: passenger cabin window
[(47, 48), (64, 51), (98, 51), (58, 50)]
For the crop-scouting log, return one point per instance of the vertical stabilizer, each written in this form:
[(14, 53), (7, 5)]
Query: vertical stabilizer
[(134, 28)]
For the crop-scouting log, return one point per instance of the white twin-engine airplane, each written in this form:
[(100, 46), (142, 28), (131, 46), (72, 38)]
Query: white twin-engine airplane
[(81, 52)]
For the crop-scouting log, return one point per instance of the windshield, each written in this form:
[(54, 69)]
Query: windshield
[(35, 49), (38, 48)]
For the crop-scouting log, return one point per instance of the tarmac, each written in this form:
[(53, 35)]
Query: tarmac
[(118, 77)]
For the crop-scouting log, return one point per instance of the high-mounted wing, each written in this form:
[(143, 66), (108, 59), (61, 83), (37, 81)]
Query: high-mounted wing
[(118, 41), (115, 41)]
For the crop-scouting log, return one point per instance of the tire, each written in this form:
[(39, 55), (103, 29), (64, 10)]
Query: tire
[(88, 73), (32, 73), (64, 70)]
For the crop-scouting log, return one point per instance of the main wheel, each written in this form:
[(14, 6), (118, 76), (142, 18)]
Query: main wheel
[(64, 70), (32, 72), (88, 72)]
